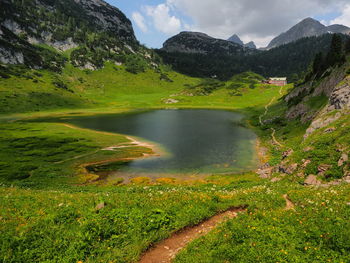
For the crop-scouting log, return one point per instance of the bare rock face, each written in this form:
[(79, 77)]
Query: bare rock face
[(8, 56), (298, 111), (321, 123), (340, 97), (108, 17)]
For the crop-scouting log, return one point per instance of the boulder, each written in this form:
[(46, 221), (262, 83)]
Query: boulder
[(100, 206), (343, 159), (265, 173), (287, 169), (287, 153), (323, 168), (276, 179), (329, 130), (312, 180), (305, 163), (171, 101)]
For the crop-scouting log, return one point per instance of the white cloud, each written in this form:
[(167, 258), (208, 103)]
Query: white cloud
[(139, 21), (162, 19), (253, 19), (344, 18)]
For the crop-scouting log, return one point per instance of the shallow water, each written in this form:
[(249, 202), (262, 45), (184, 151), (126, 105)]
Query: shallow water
[(198, 141)]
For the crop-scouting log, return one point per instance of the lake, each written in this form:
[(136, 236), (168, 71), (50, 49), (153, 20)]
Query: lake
[(198, 141)]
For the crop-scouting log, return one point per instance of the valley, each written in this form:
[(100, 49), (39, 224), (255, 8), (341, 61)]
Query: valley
[(114, 152)]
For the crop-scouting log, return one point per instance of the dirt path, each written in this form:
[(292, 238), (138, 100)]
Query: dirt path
[(274, 138), (266, 110), (166, 250), (289, 204), (273, 131)]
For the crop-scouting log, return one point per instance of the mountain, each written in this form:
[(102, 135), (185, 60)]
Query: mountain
[(250, 44), (339, 29), (298, 54), (236, 39), (306, 28), (200, 43), (35, 33)]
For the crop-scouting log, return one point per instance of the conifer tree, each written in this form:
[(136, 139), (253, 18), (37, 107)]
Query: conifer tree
[(335, 55)]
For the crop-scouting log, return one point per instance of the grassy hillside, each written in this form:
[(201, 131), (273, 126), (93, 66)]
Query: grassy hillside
[(36, 90)]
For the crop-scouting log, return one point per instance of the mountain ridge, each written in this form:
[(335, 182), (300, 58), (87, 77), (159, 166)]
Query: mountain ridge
[(306, 28), (236, 39), (201, 43)]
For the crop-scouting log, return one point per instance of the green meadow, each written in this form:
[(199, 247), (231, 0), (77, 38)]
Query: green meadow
[(48, 199)]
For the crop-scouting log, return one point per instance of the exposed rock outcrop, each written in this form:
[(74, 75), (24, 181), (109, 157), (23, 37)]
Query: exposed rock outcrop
[(63, 25)]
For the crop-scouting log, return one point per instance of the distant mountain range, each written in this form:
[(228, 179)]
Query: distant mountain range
[(306, 28), (235, 39), (200, 43), (195, 42)]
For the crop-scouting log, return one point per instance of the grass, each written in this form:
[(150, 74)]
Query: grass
[(48, 213), (63, 226), (316, 231)]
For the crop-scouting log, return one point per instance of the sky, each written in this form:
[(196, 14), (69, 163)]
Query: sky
[(155, 21)]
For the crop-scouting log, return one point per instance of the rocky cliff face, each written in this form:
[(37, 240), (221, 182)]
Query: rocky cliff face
[(335, 90), (25, 26), (306, 28)]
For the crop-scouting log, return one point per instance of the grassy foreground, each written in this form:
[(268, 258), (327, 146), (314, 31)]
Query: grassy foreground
[(48, 214)]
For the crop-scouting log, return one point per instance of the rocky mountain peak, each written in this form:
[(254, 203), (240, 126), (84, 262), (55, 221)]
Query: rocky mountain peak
[(250, 44), (306, 28), (339, 29), (236, 39)]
